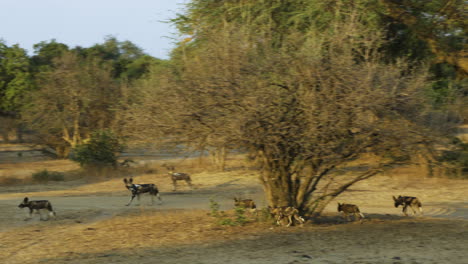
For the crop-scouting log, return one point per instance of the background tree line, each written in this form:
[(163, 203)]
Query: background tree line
[(306, 88), (65, 94)]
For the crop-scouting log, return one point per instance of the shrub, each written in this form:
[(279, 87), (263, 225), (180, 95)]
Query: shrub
[(45, 176), (223, 219), (101, 150)]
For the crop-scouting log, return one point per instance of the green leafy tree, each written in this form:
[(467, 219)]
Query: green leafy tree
[(74, 98), (15, 82), (45, 53), (127, 60), (100, 150)]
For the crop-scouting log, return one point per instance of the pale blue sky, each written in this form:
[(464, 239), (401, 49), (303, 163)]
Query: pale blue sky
[(87, 22)]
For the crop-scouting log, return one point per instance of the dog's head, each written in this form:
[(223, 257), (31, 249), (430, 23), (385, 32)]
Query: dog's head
[(398, 201), (24, 203), (128, 183)]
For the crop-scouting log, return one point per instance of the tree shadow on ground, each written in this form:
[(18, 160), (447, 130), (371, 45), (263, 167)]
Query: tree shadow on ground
[(337, 219)]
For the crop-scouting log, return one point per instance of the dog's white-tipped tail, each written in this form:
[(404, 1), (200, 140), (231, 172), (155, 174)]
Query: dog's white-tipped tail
[(362, 215)]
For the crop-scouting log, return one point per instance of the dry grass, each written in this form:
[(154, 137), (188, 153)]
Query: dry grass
[(128, 233), (144, 237)]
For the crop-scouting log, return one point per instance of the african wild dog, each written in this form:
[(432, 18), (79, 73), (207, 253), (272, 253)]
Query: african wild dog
[(246, 203), (37, 205), (138, 189), (286, 212), (406, 201), (349, 209), (178, 176)]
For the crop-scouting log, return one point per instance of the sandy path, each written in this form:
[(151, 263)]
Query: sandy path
[(100, 206)]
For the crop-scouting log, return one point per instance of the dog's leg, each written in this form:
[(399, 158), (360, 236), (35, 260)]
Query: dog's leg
[(290, 220), (421, 210), (414, 211), (278, 219), (189, 183), (299, 219), (40, 215), (52, 214), (131, 199), (159, 198), (174, 185)]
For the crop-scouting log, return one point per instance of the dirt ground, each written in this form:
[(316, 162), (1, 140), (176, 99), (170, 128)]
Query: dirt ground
[(93, 225)]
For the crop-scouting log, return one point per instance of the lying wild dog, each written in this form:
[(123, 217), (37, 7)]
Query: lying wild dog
[(349, 209), (246, 203), (37, 205), (138, 189), (286, 212), (406, 201), (178, 176)]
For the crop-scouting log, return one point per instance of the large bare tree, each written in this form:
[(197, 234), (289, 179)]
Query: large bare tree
[(306, 110)]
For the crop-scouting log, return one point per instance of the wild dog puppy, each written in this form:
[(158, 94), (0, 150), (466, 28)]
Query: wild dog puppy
[(37, 205), (178, 176), (406, 201), (138, 189), (349, 209), (286, 212)]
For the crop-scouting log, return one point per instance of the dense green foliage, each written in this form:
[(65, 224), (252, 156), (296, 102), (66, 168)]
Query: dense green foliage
[(102, 149), (63, 94), (15, 77)]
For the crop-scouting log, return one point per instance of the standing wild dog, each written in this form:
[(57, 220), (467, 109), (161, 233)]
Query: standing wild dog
[(138, 189), (178, 176), (406, 201), (349, 209), (37, 205), (286, 212)]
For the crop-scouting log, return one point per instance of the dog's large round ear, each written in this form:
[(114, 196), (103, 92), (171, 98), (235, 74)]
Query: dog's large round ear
[(394, 198), (125, 180), (25, 199), (131, 180)]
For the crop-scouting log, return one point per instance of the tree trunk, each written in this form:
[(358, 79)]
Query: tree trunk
[(219, 157)]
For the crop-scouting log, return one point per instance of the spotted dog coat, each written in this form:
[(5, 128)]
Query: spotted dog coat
[(349, 209), (37, 205), (406, 201), (246, 203), (288, 212), (179, 176), (138, 189)]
